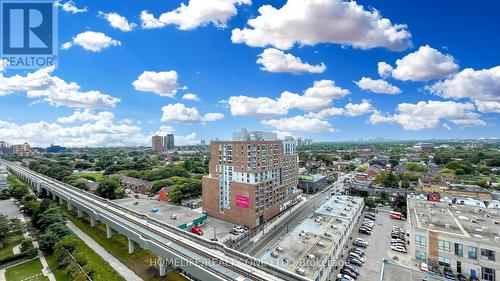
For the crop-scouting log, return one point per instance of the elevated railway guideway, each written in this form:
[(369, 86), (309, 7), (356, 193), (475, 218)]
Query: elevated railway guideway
[(199, 258)]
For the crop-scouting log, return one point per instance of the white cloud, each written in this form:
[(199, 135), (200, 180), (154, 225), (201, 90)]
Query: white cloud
[(300, 123), (318, 97), (309, 22), (282, 134), (91, 41), (364, 107), (480, 86), (328, 112), (214, 116), (69, 6), (191, 139), (182, 114), (100, 133), (274, 60), (431, 114), (384, 69), (378, 86), (257, 107), (191, 97), (423, 65), (165, 130), (54, 90), (86, 115), (196, 13), (118, 21), (162, 83)]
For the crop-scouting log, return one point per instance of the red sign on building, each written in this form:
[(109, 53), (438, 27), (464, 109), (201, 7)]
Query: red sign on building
[(242, 201)]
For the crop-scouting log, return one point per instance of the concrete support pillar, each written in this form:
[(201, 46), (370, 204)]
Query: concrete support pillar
[(53, 196), (61, 201), (69, 206), (163, 266), (79, 213), (92, 221), (109, 233), (130, 246)]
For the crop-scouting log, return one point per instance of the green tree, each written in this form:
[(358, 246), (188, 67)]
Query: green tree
[(110, 189), (4, 229)]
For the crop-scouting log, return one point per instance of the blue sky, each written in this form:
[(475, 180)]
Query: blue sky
[(132, 75)]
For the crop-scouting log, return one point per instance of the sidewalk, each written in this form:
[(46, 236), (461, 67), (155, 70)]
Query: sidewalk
[(122, 269)]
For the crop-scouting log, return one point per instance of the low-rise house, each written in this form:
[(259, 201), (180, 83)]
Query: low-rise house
[(137, 185), (163, 194)]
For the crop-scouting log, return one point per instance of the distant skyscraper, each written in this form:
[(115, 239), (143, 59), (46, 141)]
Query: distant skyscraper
[(157, 143), (202, 142), (169, 142)]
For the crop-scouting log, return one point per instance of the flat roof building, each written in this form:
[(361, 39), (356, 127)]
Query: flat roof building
[(464, 236), (314, 247), (251, 178)]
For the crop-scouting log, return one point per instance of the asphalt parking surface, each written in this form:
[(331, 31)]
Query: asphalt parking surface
[(379, 246), (9, 208)]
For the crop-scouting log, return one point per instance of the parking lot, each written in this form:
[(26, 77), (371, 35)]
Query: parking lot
[(379, 246)]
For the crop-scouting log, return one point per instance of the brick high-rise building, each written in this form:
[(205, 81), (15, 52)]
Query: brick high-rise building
[(157, 143), (251, 178)]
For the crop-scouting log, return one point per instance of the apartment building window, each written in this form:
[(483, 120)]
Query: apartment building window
[(444, 245), (487, 255), (444, 261), (421, 256), (472, 253), (488, 274), (459, 249), (420, 240)]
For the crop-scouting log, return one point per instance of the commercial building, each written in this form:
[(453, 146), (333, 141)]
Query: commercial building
[(251, 178), (464, 236), (317, 246), (21, 149), (168, 142), (157, 143), (423, 147), (312, 183)]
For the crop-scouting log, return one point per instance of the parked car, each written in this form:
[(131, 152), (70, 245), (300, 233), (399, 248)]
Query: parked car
[(424, 267), (234, 232), (356, 256), (352, 268), (197, 230), (398, 249), (357, 251), (448, 273), (365, 231), (461, 277), (346, 271), (239, 229), (355, 261), (345, 276)]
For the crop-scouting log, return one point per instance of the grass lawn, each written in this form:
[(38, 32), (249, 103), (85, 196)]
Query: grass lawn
[(139, 262), (58, 273), (9, 243), (97, 176), (31, 270)]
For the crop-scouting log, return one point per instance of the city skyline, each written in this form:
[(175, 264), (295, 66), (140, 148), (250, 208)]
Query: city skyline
[(386, 73)]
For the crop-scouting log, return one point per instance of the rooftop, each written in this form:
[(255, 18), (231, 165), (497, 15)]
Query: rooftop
[(471, 222), (305, 247), (395, 272), (316, 177)]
